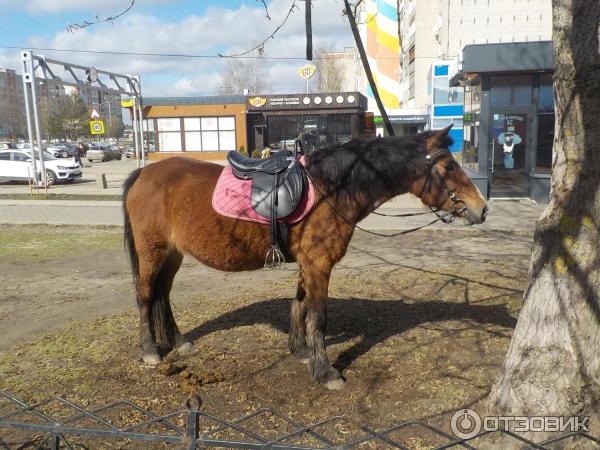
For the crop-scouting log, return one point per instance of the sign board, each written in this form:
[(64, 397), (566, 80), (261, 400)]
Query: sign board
[(97, 126), (92, 74), (307, 101), (127, 103), (468, 117), (257, 102), (94, 115), (307, 71)]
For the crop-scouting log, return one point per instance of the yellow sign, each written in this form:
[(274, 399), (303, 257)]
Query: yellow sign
[(96, 126), (127, 103), (257, 102), (307, 71)]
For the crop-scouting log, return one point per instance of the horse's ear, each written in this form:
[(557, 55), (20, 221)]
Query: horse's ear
[(439, 138)]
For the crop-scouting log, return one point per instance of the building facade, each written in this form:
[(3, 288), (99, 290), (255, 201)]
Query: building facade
[(199, 127), (508, 117), (424, 34), (13, 125), (12, 106), (209, 127)]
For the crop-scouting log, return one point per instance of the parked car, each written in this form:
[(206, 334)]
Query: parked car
[(16, 165), (59, 150), (99, 151)]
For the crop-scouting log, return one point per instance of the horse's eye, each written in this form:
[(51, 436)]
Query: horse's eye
[(449, 166)]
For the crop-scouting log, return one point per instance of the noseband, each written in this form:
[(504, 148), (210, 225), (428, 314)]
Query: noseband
[(432, 171)]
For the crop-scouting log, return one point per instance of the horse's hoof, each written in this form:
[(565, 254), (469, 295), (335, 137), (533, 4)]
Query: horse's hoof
[(335, 385), (186, 347), (151, 359)]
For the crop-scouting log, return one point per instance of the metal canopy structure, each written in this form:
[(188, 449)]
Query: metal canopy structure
[(39, 68)]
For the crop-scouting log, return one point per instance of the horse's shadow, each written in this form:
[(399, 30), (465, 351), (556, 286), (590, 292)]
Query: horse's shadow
[(373, 321)]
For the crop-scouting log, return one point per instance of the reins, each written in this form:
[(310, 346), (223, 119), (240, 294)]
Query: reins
[(432, 158)]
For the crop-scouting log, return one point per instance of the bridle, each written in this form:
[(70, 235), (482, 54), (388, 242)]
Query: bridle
[(432, 171)]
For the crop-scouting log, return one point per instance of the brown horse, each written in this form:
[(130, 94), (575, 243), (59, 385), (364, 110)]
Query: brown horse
[(168, 212)]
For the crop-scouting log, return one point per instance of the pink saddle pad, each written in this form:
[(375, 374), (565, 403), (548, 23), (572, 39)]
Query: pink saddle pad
[(232, 198)]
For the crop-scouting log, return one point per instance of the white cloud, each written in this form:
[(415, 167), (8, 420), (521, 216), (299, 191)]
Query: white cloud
[(217, 30), (106, 7)]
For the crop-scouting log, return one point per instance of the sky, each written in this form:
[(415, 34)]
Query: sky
[(197, 27)]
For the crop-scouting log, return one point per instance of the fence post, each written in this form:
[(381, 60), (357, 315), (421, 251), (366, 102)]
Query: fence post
[(193, 422)]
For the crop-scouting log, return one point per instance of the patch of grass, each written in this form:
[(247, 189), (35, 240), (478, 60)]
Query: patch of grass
[(21, 243), (58, 197)]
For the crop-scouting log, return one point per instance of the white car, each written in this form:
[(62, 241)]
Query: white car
[(16, 165)]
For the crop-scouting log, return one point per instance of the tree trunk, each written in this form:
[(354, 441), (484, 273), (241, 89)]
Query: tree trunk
[(553, 363)]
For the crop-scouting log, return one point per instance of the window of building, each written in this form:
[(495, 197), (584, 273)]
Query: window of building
[(511, 90), (209, 133), (543, 157), (444, 122), (169, 134), (441, 90), (546, 93)]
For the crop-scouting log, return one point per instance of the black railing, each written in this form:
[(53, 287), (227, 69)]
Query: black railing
[(192, 428)]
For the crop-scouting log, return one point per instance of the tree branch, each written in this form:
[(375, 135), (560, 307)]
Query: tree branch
[(74, 27)]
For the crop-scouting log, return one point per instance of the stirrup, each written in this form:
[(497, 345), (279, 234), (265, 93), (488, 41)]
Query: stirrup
[(275, 258)]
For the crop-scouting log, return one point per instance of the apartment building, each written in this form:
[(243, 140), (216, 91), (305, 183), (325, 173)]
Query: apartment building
[(423, 34), (13, 125)]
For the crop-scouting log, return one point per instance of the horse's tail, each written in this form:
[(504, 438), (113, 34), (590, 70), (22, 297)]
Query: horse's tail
[(128, 232)]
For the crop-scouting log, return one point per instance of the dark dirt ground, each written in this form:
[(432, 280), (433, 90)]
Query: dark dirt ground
[(419, 325)]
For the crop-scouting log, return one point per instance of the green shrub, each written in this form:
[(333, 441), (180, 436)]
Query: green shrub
[(243, 150), (256, 153)]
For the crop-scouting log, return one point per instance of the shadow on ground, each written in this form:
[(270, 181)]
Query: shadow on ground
[(373, 321)]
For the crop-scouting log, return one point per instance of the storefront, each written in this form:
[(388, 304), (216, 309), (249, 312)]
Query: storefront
[(308, 120), (196, 127), (508, 117)]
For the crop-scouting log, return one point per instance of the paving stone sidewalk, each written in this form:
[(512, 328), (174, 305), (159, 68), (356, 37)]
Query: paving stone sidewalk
[(505, 215)]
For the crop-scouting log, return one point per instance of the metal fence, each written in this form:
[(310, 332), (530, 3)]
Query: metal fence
[(39, 426)]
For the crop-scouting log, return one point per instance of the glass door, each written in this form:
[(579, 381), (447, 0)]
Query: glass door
[(509, 150)]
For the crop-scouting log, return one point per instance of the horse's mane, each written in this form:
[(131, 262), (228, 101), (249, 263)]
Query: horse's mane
[(370, 167)]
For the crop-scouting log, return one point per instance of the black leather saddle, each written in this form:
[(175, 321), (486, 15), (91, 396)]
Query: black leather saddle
[(277, 187), (277, 182)]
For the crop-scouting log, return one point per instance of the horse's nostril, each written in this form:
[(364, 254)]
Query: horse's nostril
[(484, 213)]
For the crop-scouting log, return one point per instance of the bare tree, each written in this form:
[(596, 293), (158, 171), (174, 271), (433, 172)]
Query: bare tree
[(240, 74), (330, 71), (553, 364)]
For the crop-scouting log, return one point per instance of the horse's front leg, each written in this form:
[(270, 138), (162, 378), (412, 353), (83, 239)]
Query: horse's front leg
[(297, 335), (317, 284)]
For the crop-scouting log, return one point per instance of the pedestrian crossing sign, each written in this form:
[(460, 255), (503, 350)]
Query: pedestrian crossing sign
[(96, 126)]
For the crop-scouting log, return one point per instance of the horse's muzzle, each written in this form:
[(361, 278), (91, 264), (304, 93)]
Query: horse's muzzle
[(473, 217)]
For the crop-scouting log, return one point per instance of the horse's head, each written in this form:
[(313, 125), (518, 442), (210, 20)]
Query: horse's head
[(445, 186)]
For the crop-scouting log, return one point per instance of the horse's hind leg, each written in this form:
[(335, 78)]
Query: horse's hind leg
[(297, 335), (149, 267), (166, 332), (317, 283)]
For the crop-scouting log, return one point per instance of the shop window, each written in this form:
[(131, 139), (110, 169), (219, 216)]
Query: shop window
[(546, 93), (441, 90), (209, 133), (169, 135), (443, 123), (543, 157), (511, 90), (470, 158), (165, 124), (169, 142)]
